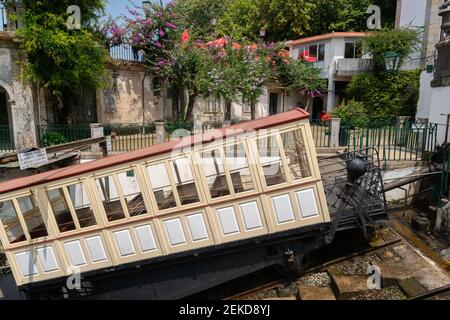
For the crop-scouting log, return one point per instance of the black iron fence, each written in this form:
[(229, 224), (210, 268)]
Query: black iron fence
[(126, 52)]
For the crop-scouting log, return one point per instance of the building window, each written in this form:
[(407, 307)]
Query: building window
[(212, 104), (245, 106), (312, 53), (352, 50), (321, 56)]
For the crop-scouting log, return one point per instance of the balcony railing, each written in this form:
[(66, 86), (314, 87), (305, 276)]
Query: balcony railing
[(350, 67), (126, 52)]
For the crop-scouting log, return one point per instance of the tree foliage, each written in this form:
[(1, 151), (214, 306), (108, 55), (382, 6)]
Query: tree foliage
[(291, 19), (187, 63), (401, 41), (199, 16), (387, 94), (58, 58)]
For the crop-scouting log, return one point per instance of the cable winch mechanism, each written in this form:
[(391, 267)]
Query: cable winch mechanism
[(353, 197)]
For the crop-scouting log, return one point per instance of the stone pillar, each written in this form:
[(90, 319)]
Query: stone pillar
[(96, 132), (334, 132), (23, 120), (401, 125), (198, 127), (160, 132)]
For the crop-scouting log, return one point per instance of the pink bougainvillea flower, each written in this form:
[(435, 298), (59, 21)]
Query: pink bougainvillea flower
[(170, 25)]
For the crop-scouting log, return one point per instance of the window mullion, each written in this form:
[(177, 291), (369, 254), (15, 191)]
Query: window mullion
[(172, 183), (227, 171), (286, 168), (120, 194), (71, 208)]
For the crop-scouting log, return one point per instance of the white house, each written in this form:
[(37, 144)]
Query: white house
[(338, 55)]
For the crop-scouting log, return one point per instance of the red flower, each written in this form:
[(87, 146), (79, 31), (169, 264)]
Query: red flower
[(185, 36), (236, 46)]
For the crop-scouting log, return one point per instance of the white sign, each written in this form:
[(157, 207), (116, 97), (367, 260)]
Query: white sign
[(32, 159), (97, 132)]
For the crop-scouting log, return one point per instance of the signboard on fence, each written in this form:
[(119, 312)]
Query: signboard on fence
[(97, 132), (32, 159)]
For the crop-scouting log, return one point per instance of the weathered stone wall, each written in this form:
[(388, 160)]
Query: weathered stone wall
[(121, 101), (20, 94)]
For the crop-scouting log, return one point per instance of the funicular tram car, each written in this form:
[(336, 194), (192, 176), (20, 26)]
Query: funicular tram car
[(169, 220)]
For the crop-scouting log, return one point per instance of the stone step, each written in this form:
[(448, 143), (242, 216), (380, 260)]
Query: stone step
[(348, 286), (411, 287), (315, 293)]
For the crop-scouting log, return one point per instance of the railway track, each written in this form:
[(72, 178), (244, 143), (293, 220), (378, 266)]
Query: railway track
[(278, 283), (263, 283), (437, 294)]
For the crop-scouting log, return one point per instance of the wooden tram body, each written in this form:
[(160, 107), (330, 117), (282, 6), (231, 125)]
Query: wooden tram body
[(172, 219)]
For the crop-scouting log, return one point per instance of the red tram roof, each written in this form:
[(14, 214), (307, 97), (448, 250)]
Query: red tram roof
[(111, 161)]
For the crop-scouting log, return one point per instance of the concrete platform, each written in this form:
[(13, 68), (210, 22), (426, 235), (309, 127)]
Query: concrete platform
[(315, 293)]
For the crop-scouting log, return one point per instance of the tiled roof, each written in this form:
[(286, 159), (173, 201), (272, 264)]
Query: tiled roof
[(326, 36)]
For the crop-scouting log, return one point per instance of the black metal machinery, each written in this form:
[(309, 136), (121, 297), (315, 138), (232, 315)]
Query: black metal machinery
[(354, 188)]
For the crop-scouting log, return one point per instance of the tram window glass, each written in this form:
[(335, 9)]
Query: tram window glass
[(162, 188), (212, 167), (184, 181), (236, 159), (32, 216), (61, 210), (132, 193), (271, 161), (110, 198), (295, 150), (11, 222), (82, 205)]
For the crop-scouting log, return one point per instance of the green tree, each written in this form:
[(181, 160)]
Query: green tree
[(402, 41), (198, 16), (387, 94), (240, 20), (61, 59), (291, 19)]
